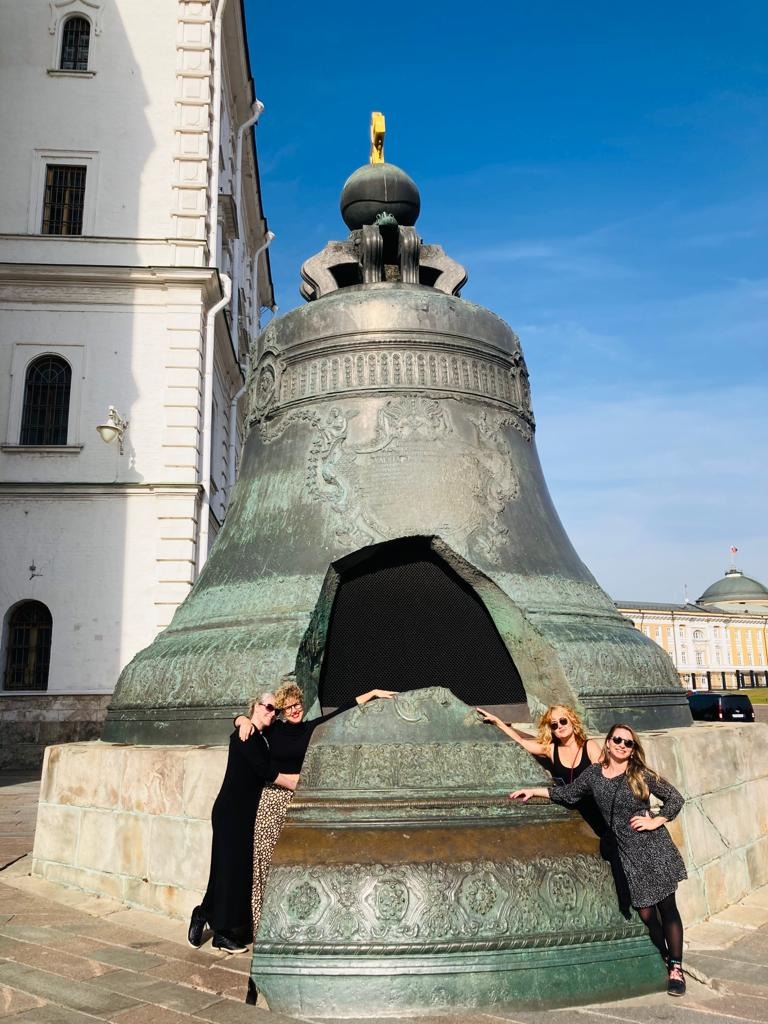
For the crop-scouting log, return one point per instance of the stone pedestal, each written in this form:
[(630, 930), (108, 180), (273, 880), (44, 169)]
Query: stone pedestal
[(129, 822), (133, 822)]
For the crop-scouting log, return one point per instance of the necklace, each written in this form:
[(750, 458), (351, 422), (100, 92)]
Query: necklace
[(576, 761)]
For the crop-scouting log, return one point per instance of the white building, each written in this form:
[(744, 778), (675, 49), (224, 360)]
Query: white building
[(130, 201), (719, 641)]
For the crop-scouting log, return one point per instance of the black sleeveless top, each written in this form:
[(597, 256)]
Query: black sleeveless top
[(563, 773)]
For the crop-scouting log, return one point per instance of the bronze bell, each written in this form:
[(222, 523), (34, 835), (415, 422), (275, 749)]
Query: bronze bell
[(391, 524)]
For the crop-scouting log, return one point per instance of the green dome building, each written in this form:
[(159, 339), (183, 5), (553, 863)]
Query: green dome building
[(737, 593)]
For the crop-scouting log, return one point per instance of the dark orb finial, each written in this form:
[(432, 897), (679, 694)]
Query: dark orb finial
[(378, 188)]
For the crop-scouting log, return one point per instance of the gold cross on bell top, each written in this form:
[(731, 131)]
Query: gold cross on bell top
[(378, 128)]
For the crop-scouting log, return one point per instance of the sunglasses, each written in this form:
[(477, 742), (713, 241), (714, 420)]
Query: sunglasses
[(619, 740), (558, 723), (269, 707), (293, 707)]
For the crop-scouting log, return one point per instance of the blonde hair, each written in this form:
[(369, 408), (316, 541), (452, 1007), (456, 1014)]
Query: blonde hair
[(258, 700), (637, 769), (545, 735), (288, 693)]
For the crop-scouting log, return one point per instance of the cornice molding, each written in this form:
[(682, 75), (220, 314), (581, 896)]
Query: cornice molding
[(58, 274), (80, 490)]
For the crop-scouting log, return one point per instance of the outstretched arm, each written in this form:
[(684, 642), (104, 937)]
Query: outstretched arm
[(363, 698), (526, 794), (569, 793), (526, 741)]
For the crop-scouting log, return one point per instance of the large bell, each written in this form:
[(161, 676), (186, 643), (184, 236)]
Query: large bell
[(405, 881), (391, 524)]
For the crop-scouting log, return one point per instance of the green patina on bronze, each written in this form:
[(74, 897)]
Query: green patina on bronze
[(379, 412), (404, 879)]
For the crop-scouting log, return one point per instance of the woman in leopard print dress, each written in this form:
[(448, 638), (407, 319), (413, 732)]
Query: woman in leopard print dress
[(288, 741)]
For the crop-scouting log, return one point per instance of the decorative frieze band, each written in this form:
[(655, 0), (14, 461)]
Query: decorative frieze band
[(290, 382), (414, 907)]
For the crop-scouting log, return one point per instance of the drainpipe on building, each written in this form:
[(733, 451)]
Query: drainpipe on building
[(269, 237), (205, 461), (257, 109), (226, 281), (231, 474)]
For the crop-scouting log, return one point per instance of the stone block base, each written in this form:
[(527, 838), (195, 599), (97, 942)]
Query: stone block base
[(722, 832), (129, 822), (134, 822), (31, 722)]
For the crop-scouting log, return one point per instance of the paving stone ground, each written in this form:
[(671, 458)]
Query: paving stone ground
[(18, 813), (69, 958)]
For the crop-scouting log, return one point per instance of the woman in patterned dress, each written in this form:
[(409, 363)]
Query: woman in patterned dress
[(288, 741), (563, 748), (621, 785)]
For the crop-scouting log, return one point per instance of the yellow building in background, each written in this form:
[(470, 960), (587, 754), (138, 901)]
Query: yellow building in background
[(720, 640)]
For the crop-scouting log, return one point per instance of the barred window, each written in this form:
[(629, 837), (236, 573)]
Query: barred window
[(45, 413), (64, 198), (75, 42), (28, 654)]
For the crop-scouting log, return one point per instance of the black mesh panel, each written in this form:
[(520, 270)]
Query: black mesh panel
[(402, 620)]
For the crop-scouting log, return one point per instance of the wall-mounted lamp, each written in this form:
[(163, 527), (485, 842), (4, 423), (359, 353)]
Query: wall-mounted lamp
[(114, 428)]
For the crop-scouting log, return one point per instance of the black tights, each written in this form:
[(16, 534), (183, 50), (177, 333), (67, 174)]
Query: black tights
[(663, 922)]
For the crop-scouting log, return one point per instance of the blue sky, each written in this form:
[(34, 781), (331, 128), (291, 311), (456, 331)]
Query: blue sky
[(601, 171)]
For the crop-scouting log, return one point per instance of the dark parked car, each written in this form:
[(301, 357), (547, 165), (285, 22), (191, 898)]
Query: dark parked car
[(709, 706)]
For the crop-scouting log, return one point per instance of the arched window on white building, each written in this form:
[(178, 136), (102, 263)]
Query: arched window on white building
[(75, 44), (28, 647), (45, 413), (698, 634)]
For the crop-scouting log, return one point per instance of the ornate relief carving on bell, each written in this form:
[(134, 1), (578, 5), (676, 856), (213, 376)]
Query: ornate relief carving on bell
[(389, 409)]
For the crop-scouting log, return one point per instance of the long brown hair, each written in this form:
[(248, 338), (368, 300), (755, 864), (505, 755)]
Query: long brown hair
[(545, 735), (637, 769)]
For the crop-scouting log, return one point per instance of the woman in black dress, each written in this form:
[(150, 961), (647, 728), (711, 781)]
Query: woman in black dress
[(226, 906), (621, 785), (288, 739)]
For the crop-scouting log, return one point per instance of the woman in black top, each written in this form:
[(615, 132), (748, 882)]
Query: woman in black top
[(561, 742), (226, 904), (621, 785), (288, 740), (562, 747)]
